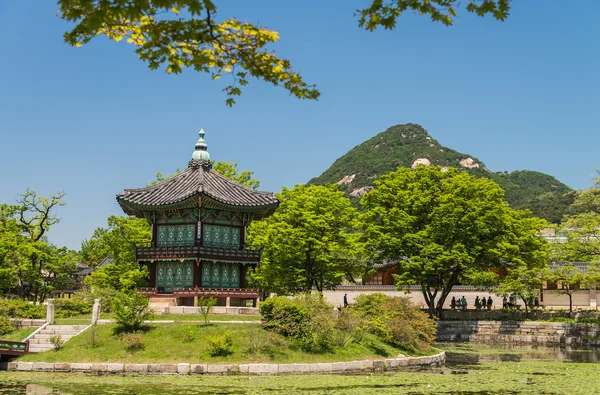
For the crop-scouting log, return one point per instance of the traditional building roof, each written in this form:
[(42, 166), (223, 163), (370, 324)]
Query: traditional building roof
[(197, 185)]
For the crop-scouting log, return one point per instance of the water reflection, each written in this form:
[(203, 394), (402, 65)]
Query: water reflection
[(472, 353)]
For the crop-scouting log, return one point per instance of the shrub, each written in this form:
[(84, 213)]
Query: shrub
[(5, 325), (106, 296), (72, 307), (220, 346), (397, 321), (21, 308), (205, 305), (133, 341), (257, 339), (189, 333), (307, 319), (130, 310), (57, 341), (348, 327)]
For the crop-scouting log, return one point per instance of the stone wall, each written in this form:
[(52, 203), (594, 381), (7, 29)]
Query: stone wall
[(23, 323), (526, 332), (584, 299), (368, 366)]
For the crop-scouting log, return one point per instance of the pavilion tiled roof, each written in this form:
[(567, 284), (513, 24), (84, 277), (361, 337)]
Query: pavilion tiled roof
[(198, 179)]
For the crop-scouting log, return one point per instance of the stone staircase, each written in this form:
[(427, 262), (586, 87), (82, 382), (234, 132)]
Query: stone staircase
[(40, 341)]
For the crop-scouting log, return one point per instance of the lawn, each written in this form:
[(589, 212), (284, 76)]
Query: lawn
[(18, 334), (86, 319), (530, 377), (178, 342)]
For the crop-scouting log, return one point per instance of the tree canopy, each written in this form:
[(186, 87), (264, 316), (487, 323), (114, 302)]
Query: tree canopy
[(183, 34), (30, 265), (442, 228), (308, 242)]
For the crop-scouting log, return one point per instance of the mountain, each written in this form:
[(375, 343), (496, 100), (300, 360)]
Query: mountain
[(409, 145)]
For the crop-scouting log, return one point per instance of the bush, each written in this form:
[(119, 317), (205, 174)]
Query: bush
[(57, 341), (21, 308), (397, 321), (307, 319), (220, 346), (133, 341), (130, 310), (6, 326), (72, 307), (348, 327), (106, 296), (189, 333)]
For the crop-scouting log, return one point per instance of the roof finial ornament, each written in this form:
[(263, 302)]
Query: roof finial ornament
[(200, 152)]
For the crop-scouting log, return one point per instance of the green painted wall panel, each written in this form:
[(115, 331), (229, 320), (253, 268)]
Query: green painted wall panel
[(221, 236), (167, 235)]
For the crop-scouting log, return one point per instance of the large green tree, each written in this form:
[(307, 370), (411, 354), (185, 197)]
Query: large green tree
[(309, 242), (29, 264), (183, 34), (582, 228), (443, 228)]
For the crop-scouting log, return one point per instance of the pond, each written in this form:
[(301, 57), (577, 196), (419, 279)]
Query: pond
[(470, 369)]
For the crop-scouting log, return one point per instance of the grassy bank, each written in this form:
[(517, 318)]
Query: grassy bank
[(172, 343), (530, 377), (86, 319), (18, 334)]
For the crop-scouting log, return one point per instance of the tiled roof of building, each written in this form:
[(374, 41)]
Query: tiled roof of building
[(198, 179)]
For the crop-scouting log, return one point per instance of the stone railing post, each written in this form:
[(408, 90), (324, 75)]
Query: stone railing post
[(96, 311), (50, 312)]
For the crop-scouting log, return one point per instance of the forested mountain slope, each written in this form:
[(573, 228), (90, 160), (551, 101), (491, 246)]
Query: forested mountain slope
[(410, 144)]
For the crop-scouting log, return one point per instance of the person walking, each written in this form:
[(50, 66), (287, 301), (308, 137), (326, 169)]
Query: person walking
[(453, 303), (345, 300), (477, 305), (489, 303), (463, 302)]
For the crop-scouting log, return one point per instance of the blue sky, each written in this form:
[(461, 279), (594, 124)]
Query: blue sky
[(91, 121)]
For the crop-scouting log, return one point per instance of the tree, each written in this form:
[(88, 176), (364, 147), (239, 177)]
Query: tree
[(571, 278), (230, 170), (28, 262), (522, 281), (117, 241), (185, 34), (205, 305), (309, 242), (582, 227), (443, 228)]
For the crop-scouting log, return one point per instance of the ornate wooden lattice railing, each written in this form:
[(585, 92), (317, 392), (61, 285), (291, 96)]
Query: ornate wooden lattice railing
[(8, 347), (204, 291), (153, 251)]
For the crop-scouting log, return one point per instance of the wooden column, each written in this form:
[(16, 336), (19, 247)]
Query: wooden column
[(243, 269), (152, 273), (197, 274)]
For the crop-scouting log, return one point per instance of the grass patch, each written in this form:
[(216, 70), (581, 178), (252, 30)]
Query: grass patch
[(87, 319), (18, 334), (173, 343), (530, 377)]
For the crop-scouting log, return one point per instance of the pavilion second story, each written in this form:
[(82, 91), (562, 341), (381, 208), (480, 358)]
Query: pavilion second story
[(198, 213)]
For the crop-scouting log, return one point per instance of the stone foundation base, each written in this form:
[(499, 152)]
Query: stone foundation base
[(368, 366)]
